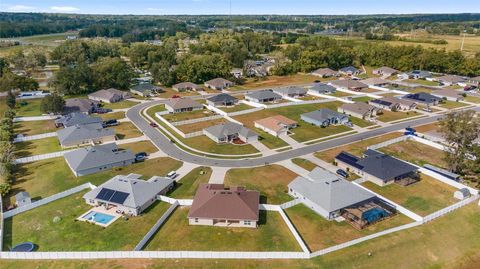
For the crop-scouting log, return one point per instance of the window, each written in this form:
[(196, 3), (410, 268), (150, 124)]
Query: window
[(247, 222), (196, 219)]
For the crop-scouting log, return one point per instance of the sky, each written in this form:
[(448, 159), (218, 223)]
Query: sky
[(195, 7)]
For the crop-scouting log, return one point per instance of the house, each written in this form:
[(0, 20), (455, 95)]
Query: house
[(218, 84), (215, 205), (291, 91), (257, 68), (230, 132), (349, 84), (327, 194), (263, 96), (423, 98), (325, 73), (360, 110), (322, 88), (146, 89), (393, 103), (22, 199), (449, 80), (85, 134), (349, 71), (416, 74), (76, 118), (129, 195), (375, 82), (379, 168), (186, 86), (450, 95), (81, 105), (222, 99), (475, 81), (97, 158), (178, 105), (385, 71), (109, 96), (275, 125), (325, 117), (237, 72)]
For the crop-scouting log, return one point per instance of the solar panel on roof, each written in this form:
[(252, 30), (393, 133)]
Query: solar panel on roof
[(381, 102), (348, 159), (119, 197), (105, 194)]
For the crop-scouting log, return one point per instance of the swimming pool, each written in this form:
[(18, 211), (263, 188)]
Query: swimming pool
[(98, 217)]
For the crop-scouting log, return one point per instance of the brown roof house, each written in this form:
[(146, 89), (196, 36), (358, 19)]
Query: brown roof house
[(450, 95), (349, 84), (186, 86), (449, 80), (178, 105), (360, 110), (109, 95), (218, 84), (375, 82), (325, 73), (393, 104), (80, 105), (276, 125), (215, 205), (385, 71)]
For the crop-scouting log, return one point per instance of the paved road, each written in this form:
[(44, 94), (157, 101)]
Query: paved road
[(164, 143)]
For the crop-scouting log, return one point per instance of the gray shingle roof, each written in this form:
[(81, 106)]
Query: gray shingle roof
[(77, 119), (145, 87), (219, 82), (108, 94), (96, 156), (229, 128), (186, 85), (22, 195), (79, 105), (83, 132), (348, 83), (329, 191), (323, 114), (179, 103), (384, 166), (349, 69), (322, 88), (222, 97), (265, 94), (291, 90)]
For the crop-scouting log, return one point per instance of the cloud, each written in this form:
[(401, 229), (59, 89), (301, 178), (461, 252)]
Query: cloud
[(20, 8), (155, 9), (64, 9)]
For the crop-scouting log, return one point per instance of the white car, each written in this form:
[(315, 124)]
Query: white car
[(172, 174)]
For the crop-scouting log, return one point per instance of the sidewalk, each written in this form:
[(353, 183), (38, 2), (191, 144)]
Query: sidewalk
[(292, 142), (185, 169), (294, 168), (132, 140), (262, 148), (328, 166)]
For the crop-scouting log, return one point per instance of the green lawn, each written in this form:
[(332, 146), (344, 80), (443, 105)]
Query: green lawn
[(141, 146), (154, 109), (271, 181), (126, 130), (272, 142), (34, 127), (416, 153), (422, 82), (188, 185), (305, 164), (120, 105), (194, 127), (112, 115), (388, 116), (236, 108), (452, 104), (472, 99), (36, 147), (3, 106), (67, 234), (340, 94), (32, 108), (360, 122), (272, 234), (188, 115), (362, 99), (424, 197)]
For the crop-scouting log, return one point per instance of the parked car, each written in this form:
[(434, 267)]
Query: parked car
[(172, 174), (410, 129), (176, 96), (342, 172), (140, 156), (427, 109), (102, 110), (153, 124), (109, 123)]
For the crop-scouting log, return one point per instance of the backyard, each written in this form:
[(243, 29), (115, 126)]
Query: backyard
[(31, 107), (276, 81), (120, 105), (196, 114), (416, 153), (239, 107), (36, 147), (388, 116), (126, 130), (34, 127), (199, 126), (188, 185)]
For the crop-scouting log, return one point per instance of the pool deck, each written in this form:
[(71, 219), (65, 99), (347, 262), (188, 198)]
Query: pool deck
[(101, 209)]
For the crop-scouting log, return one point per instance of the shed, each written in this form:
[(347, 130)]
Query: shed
[(461, 194)]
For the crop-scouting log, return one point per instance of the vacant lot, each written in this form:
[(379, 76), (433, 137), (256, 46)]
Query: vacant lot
[(305, 164), (169, 93), (423, 198), (276, 81), (272, 234), (36, 147), (120, 105), (422, 82), (188, 185), (126, 130), (113, 115), (452, 104), (320, 233), (416, 153), (388, 116), (67, 234), (34, 127), (195, 127), (188, 115), (271, 181), (29, 108), (140, 146)]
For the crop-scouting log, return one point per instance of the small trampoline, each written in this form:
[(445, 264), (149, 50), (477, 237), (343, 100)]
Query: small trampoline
[(23, 247)]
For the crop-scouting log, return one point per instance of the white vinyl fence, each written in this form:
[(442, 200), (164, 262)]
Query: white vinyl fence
[(246, 111), (185, 122), (389, 142), (175, 129), (290, 204), (20, 138), (449, 209), (41, 157)]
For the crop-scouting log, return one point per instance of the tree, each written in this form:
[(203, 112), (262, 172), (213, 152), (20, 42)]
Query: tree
[(164, 74), (200, 68), (6, 166), (73, 79), (11, 102), (111, 73), (53, 103)]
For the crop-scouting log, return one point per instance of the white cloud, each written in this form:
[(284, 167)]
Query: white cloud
[(20, 8), (155, 9), (64, 9)]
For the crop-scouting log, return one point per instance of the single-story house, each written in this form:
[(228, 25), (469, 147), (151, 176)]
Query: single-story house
[(291, 91), (450, 95), (93, 159), (475, 81), (423, 98), (349, 71), (229, 132), (324, 117), (215, 205), (237, 72), (360, 110), (449, 80), (22, 199), (109, 95), (146, 89), (375, 82), (349, 84), (325, 73), (129, 195), (186, 86), (263, 96), (322, 88), (76, 118), (178, 105), (415, 74), (393, 104), (275, 125), (327, 194), (377, 167), (85, 134), (222, 99), (81, 105), (385, 71), (218, 84)]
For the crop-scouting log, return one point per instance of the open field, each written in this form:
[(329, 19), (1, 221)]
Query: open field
[(197, 114), (424, 197), (320, 233), (416, 153), (34, 127), (38, 226), (36, 147), (305, 164), (276, 81), (47, 177), (388, 116), (31, 108), (140, 146), (419, 89), (271, 181), (120, 105), (272, 234), (422, 82), (340, 94), (188, 185), (126, 130), (195, 127)]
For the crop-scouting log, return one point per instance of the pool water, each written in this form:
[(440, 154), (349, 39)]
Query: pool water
[(98, 217)]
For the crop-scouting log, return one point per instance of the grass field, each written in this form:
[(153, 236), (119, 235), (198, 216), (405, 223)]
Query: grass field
[(188, 185), (305, 164), (34, 127), (276, 81), (120, 105), (37, 226), (362, 99), (452, 104), (271, 181), (236, 108), (422, 82), (169, 93), (272, 234), (424, 197), (320, 233), (112, 116), (472, 99), (140, 146), (197, 114), (388, 116), (340, 94), (31, 108), (126, 130), (416, 153), (272, 142), (195, 127), (360, 122), (36, 147)]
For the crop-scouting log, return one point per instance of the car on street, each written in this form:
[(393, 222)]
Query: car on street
[(342, 172), (153, 124)]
